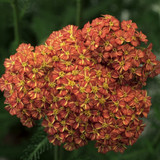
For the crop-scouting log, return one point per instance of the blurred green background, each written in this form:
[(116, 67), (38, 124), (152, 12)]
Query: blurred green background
[(37, 19)]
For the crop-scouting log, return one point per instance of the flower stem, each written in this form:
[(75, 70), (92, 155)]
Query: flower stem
[(14, 5), (60, 153), (78, 17), (55, 152)]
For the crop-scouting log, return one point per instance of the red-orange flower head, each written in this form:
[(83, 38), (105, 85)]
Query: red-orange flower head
[(85, 84)]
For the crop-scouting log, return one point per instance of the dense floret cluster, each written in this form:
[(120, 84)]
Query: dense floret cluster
[(86, 85)]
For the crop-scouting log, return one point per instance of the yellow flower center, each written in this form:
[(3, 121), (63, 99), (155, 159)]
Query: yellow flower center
[(55, 99), (68, 63), (125, 94), (138, 128), (71, 83), (94, 89), (133, 70), (76, 103), (111, 24), (116, 103), (114, 49), (67, 97), (5, 82), (87, 79), (121, 38), (13, 62), (82, 89), (128, 26), (55, 58), (18, 100), (78, 119), (22, 83), (107, 136), (82, 136), (127, 106), (148, 61), (55, 111), (136, 100), (92, 43), (126, 52), (88, 30), (71, 132), (38, 110), (52, 84), (119, 137), (82, 56), (123, 117), (24, 64), (102, 100), (86, 100), (50, 125), (61, 74), (43, 99), (109, 74), (88, 113), (57, 137), (121, 63), (67, 53), (11, 91), (104, 125), (105, 85), (134, 38), (86, 68), (121, 76), (106, 43), (100, 32), (62, 44), (111, 114), (95, 131), (35, 70), (50, 47), (136, 58), (133, 117), (63, 122), (75, 72), (98, 73), (37, 90)]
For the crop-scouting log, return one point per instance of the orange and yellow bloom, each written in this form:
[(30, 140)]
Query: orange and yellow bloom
[(84, 84)]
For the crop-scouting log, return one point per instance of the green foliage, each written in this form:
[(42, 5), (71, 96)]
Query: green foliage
[(37, 19), (36, 146), (7, 1)]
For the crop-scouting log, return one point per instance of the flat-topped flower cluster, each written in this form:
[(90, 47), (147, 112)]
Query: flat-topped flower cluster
[(86, 85)]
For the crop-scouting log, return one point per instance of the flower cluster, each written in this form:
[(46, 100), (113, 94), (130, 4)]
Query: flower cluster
[(86, 85)]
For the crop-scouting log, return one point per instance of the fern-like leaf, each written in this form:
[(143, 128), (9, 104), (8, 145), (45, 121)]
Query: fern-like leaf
[(37, 145)]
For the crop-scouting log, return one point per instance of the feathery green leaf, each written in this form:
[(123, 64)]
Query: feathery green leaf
[(37, 145)]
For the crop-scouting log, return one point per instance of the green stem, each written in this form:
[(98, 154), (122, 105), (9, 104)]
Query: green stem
[(55, 152), (14, 5), (60, 153), (78, 17)]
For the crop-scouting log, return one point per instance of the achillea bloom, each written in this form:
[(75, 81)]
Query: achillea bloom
[(84, 84)]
